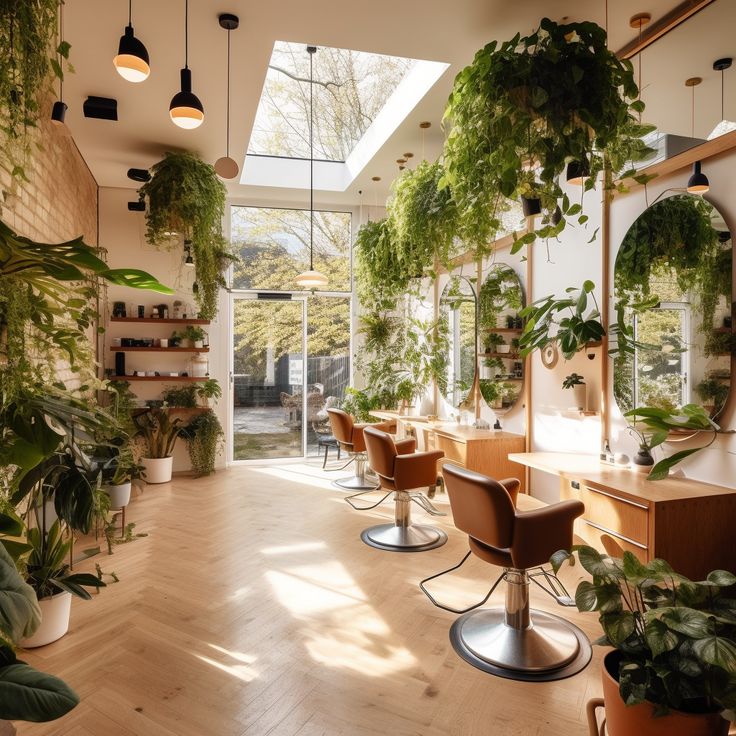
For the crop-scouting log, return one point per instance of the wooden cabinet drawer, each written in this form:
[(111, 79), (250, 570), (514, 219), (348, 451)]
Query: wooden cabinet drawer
[(609, 514), (612, 545), (454, 451)]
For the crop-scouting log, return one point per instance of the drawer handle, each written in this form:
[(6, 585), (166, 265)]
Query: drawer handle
[(615, 534), (618, 498)]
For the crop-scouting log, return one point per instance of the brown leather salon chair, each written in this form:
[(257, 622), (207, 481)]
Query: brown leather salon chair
[(349, 436), (400, 470), (514, 642)]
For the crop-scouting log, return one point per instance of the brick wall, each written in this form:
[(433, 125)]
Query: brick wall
[(60, 201)]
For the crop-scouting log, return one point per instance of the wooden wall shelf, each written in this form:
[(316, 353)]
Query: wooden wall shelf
[(158, 350), (508, 356), (162, 320), (503, 329), (159, 378)]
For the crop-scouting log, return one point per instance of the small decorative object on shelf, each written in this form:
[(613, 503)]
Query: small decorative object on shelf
[(141, 311), (118, 309)]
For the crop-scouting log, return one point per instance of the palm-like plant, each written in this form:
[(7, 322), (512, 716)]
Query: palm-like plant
[(159, 431)]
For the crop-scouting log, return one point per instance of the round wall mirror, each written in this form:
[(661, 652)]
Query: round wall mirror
[(458, 305), (673, 277), (501, 369)]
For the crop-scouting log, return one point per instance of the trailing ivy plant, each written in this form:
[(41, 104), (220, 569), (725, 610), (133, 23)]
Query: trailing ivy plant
[(186, 200), (500, 290), (572, 322), (31, 57), (526, 108), (424, 219), (205, 437)]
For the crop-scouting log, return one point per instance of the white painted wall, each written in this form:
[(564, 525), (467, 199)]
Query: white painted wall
[(122, 234)]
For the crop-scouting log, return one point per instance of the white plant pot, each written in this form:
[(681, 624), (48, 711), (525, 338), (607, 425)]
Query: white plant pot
[(580, 397), (158, 469), (505, 348), (199, 344), (55, 613), (119, 495)]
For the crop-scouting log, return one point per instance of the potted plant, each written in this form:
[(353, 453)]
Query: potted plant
[(493, 342), (643, 461), (491, 393), (160, 433), (119, 471), (714, 394), (569, 321), (195, 335), (579, 390), (185, 197), (672, 669), (205, 437), (208, 390), (524, 110), (44, 697), (47, 572), (405, 392), (659, 424)]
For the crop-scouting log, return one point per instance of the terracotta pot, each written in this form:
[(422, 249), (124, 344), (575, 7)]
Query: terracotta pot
[(639, 720), (55, 613)]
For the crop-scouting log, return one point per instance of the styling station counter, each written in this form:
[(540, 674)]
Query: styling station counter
[(483, 450), (688, 523)]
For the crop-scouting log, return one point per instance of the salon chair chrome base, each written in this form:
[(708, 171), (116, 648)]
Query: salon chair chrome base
[(518, 643), (359, 481), (402, 535)]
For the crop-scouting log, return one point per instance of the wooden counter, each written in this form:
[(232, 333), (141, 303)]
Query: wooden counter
[(686, 522), (483, 450)]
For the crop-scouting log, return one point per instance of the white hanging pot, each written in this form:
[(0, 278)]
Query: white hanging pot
[(158, 469), (580, 396), (55, 613), (119, 495), (198, 344), (503, 348)]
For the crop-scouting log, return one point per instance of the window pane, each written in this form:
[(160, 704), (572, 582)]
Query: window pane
[(273, 245)]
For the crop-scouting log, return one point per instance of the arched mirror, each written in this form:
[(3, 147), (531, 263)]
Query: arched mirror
[(673, 277), (501, 370), (458, 304)]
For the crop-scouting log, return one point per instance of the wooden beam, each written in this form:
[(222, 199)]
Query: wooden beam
[(663, 26)]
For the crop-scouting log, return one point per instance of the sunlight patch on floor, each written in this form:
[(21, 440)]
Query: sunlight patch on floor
[(293, 548), (344, 630), (297, 474), (243, 671)]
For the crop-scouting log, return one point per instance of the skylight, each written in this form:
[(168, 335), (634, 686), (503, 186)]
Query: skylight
[(359, 101), (350, 88)]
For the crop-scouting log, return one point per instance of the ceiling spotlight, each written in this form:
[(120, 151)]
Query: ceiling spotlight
[(425, 124), (375, 178), (698, 183), (185, 109), (132, 61), (400, 160), (408, 155)]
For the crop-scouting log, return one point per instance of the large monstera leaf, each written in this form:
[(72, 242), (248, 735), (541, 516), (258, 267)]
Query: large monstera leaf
[(29, 695), (19, 611)]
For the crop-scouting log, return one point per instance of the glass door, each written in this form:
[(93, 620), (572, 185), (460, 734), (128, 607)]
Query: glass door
[(267, 390)]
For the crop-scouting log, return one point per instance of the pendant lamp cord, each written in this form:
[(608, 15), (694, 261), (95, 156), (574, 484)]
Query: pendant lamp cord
[(311, 161), (723, 117), (186, 34), (61, 38), (130, 12), (227, 145)]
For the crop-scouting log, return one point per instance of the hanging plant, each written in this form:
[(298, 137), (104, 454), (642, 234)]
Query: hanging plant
[(378, 271), (30, 59), (424, 218), (526, 108), (186, 200)]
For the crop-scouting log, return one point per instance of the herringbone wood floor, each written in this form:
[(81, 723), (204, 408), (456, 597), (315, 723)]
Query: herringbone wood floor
[(253, 608)]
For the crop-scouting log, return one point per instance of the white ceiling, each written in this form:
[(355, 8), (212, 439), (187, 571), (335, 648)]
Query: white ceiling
[(436, 30)]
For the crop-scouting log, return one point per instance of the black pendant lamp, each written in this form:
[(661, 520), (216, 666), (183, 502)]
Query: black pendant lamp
[(132, 62), (185, 109), (58, 111), (311, 279), (698, 183), (225, 166)]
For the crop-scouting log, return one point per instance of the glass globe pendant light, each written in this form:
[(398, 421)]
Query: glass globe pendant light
[(311, 279), (185, 109), (132, 62)]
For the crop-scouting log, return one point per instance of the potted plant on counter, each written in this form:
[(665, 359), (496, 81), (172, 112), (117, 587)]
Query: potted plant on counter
[(672, 669), (160, 433)]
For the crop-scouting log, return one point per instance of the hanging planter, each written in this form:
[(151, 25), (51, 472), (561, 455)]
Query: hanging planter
[(531, 206), (536, 104), (186, 200)]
